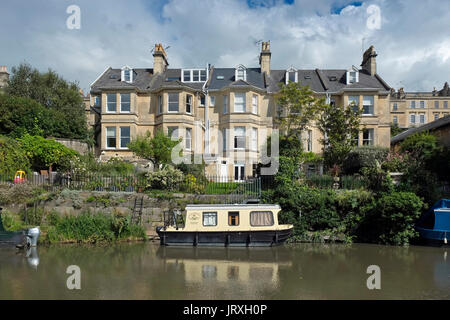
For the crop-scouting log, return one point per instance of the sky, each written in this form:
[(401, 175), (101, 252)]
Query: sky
[(412, 37)]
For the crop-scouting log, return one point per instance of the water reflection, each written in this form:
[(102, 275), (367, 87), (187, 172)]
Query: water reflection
[(32, 257)]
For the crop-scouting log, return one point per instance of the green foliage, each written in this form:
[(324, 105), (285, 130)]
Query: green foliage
[(88, 164), (391, 218), (396, 162), (11, 221), (92, 228), (44, 153), (12, 157), (62, 114), (157, 149), (167, 178), (395, 130), (364, 157), (298, 107), (340, 126), (422, 146), (19, 193)]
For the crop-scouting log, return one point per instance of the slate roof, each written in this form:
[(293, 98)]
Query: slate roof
[(441, 122), (111, 79), (254, 78)]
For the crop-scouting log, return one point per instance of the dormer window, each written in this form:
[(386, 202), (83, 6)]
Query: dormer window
[(353, 75), (193, 75), (291, 75), (241, 73), (127, 74)]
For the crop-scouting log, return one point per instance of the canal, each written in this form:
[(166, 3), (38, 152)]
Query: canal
[(301, 271)]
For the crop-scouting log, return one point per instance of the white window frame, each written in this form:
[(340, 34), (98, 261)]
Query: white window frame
[(177, 130), (243, 103), (235, 137), (352, 76), (412, 104), (120, 137), (288, 71), (212, 101), (411, 117), (395, 106), (120, 98), (371, 106), (160, 104), (255, 104), (211, 216), (189, 102), (371, 138), (254, 139), (241, 169), (421, 104), (353, 99), (122, 74), (115, 138), (196, 72), (225, 105), (188, 138), (422, 118), (168, 102), (107, 103), (237, 72)]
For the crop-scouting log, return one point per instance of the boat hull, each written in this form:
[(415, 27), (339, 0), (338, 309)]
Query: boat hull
[(437, 236), (13, 239), (265, 238)]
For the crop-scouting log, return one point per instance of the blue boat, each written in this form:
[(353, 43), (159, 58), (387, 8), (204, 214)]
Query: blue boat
[(434, 225)]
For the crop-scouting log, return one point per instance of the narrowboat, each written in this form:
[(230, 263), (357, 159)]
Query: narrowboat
[(20, 239), (434, 225), (225, 225)]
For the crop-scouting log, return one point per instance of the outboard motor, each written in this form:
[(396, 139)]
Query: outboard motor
[(32, 236)]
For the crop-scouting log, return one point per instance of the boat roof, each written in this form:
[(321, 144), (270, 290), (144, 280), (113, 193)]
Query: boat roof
[(231, 206)]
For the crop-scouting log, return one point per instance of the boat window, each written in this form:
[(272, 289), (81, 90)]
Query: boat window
[(261, 218), (233, 218), (209, 219)]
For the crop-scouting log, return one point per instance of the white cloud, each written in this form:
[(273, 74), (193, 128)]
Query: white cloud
[(413, 43)]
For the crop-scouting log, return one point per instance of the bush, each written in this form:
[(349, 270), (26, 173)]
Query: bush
[(12, 157), (168, 178), (391, 218), (364, 157), (88, 164)]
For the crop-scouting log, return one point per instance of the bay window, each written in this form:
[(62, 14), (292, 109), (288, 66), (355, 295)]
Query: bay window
[(111, 137), (368, 135), (239, 137), (111, 101), (239, 102), (124, 137), (173, 102), (188, 138), (368, 105), (255, 104), (125, 102)]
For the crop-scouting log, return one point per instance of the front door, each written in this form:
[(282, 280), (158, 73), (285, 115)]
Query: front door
[(224, 171), (239, 172)]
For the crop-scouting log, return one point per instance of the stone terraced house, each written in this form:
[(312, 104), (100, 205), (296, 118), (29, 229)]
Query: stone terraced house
[(226, 114)]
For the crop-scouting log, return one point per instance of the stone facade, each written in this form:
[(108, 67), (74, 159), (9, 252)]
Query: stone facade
[(4, 77), (226, 113)]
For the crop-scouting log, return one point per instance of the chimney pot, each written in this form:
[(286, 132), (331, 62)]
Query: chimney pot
[(264, 57)]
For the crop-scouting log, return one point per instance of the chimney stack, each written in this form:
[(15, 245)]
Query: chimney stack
[(159, 59), (4, 76), (369, 63), (264, 57)]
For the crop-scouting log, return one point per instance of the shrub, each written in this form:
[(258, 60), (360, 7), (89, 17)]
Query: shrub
[(364, 157), (168, 178), (12, 157)]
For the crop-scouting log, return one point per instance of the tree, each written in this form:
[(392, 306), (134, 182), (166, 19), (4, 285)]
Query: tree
[(157, 149), (46, 152), (12, 157), (297, 108), (54, 93), (340, 127)]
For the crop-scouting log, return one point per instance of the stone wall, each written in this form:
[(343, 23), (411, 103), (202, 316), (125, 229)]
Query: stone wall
[(77, 145)]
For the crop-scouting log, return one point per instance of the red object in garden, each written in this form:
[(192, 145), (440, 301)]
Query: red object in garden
[(20, 177)]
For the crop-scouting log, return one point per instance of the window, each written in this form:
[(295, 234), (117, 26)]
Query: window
[(255, 104), (394, 107), (254, 140), (422, 104), (436, 116), (352, 75), (233, 218), (422, 118), (212, 101), (188, 138), (395, 120), (412, 105), (368, 137), (111, 102), (412, 118), (160, 104), (173, 102), (127, 74), (110, 137), (261, 218), (436, 104), (241, 73), (225, 104), (354, 100), (209, 219), (368, 105), (445, 104), (188, 103), (224, 140), (97, 101), (125, 102), (124, 137), (193, 75), (239, 102), (239, 172), (202, 100), (309, 141), (239, 137), (172, 132)]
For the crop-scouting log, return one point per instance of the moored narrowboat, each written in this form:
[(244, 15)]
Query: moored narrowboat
[(225, 225), (434, 225)]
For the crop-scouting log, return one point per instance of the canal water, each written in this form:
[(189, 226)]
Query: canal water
[(301, 271)]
